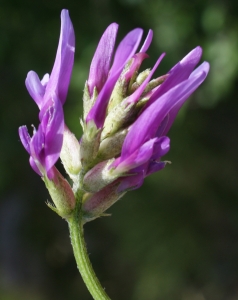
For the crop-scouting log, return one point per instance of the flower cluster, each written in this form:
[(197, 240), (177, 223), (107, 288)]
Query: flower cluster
[(127, 116)]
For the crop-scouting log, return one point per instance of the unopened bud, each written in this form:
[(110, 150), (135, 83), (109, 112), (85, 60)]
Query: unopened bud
[(139, 80), (154, 83), (121, 116), (142, 76), (118, 94), (111, 147)]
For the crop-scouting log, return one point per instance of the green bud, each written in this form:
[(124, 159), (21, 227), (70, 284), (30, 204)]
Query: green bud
[(142, 76), (120, 90), (118, 94), (154, 83), (118, 118), (111, 147), (139, 80)]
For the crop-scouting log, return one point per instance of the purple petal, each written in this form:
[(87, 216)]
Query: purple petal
[(61, 72), (125, 51), (54, 129), (34, 166), (100, 64), (29, 146), (131, 182), (47, 141), (147, 41), (136, 95), (204, 67), (137, 60), (45, 79), (163, 125), (161, 147), (146, 126), (178, 73), (155, 166), (139, 157), (37, 148), (35, 88), (174, 111), (25, 137)]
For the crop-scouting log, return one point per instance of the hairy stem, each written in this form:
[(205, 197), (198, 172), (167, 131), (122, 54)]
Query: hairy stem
[(81, 256)]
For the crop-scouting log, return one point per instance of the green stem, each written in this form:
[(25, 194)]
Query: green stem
[(81, 256)]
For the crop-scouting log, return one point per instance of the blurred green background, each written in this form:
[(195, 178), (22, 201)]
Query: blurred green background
[(176, 238)]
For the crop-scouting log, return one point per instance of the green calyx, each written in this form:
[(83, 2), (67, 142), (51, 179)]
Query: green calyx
[(89, 144), (61, 194)]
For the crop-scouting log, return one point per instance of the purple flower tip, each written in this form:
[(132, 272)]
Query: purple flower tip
[(101, 62), (109, 76), (57, 83), (50, 94)]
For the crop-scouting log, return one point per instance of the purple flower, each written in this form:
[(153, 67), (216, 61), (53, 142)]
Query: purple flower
[(50, 94), (58, 82), (45, 144), (102, 76), (145, 108), (146, 142)]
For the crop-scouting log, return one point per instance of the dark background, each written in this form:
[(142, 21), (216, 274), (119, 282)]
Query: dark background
[(176, 238)]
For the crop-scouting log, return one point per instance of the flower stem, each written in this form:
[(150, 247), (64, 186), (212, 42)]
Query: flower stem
[(80, 252)]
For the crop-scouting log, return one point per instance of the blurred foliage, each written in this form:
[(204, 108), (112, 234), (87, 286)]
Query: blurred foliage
[(176, 238)]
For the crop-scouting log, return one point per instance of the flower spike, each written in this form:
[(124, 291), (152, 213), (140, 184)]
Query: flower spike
[(127, 116)]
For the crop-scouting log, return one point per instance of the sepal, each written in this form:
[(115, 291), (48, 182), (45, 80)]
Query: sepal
[(61, 194), (89, 144), (70, 154), (94, 205), (118, 118), (88, 101), (99, 176), (111, 146)]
